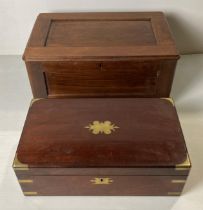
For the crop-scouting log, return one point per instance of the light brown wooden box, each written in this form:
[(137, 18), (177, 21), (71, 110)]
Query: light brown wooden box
[(101, 55)]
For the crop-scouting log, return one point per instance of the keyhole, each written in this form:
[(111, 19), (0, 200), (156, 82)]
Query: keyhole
[(101, 180), (100, 66)]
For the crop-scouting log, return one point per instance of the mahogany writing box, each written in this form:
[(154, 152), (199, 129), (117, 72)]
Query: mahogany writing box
[(95, 146), (101, 54)]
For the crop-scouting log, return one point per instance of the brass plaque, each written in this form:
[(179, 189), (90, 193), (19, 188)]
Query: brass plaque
[(106, 127)]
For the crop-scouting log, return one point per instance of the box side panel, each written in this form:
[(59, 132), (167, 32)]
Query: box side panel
[(165, 78), (37, 79)]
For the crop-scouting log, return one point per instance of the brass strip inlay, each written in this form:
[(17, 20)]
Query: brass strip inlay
[(185, 165), (25, 181), (182, 169), (101, 180), (34, 100), (30, 193), (170, 100), (178, 181), (17, 165), (21, 169), (174, 193)]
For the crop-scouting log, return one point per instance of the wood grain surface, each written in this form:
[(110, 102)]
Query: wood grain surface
[(148, 134), (101, 55)]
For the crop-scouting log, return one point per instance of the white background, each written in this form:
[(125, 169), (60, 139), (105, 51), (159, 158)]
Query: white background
[(16, 20), (17, 17)]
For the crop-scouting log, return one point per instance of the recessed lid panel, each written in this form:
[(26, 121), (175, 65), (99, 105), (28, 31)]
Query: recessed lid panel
[(83, 133), (91, 33), (65, 36)]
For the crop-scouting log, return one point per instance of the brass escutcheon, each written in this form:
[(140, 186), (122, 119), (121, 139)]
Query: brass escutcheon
[(101, 180)]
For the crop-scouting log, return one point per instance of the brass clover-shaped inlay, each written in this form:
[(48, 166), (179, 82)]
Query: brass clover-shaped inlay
[(105, 127)]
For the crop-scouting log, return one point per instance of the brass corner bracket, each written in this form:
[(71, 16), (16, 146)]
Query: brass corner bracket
[(17, 165), (34, 100), (170, 100), (185, 165)]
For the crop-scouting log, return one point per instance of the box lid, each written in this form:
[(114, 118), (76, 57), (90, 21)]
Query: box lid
[(68, 36), (102, 133)]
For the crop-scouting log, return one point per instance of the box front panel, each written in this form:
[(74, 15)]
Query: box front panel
[(102, 185), (113, 78), (132, 78)]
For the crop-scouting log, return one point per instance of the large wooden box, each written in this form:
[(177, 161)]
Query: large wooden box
[(102, 147), (101, 54)]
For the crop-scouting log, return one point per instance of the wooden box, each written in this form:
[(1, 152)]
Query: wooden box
[(101, 54), (102, 147)]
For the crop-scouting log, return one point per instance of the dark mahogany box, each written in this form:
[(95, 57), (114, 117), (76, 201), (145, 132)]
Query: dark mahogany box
[(102, 146), (101, 54)]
